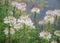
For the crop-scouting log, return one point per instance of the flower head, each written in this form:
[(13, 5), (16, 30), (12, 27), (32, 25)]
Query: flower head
[(54, 42), (14, 3), (26, 20), (17, 26), (12, 31), (35, 9), (6, 20), (49, 12), (53, 13), (57, 12), (23, 18), (21, 6), (45, 35), (57, 33), (6, 31), (49, 18), (42, 22), (11, 12), (10, 19)]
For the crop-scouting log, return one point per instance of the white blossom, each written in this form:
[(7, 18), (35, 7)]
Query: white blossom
[(21, 6), (45, 35), (57, 33), (6, 31), (11, 12), (42, 22), (6, 20), (54, 42), (49, 18), (12, 31), (14, 3), (35, 9), (12, 19), (26, 20), (56, 12), (53, 12), (49, 12), (17, 25)]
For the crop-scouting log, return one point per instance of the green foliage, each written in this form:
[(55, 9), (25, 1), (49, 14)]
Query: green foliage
[(23, 35)]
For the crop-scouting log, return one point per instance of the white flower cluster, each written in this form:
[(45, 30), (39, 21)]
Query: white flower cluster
[(54, 42), (53, 12), (20, 6), (6, 31), (10, 19), (57, 33), (35, 9), (47, 19), (17, 26), (45, 35), (42, 22), (26, 20), (18, 23), (50, 16)]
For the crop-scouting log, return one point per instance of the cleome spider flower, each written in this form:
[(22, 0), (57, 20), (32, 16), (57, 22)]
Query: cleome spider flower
[(18, 25), (54, 42), (21, 6), (6, 20), (35, 9), (42, 22), (6, 31), (49, 12), (53, 12), (57, 12), (10, 19), (57, 33), (45, 35), (13, 3), (26, 20), (49, 18)]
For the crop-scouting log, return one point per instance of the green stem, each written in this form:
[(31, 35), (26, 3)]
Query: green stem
[(14, 12), (35, 22), (55, 23), (6, 6), (9, 35), (8, 38), (48, 26), (42, 28), (20, 13), (24, 27)]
